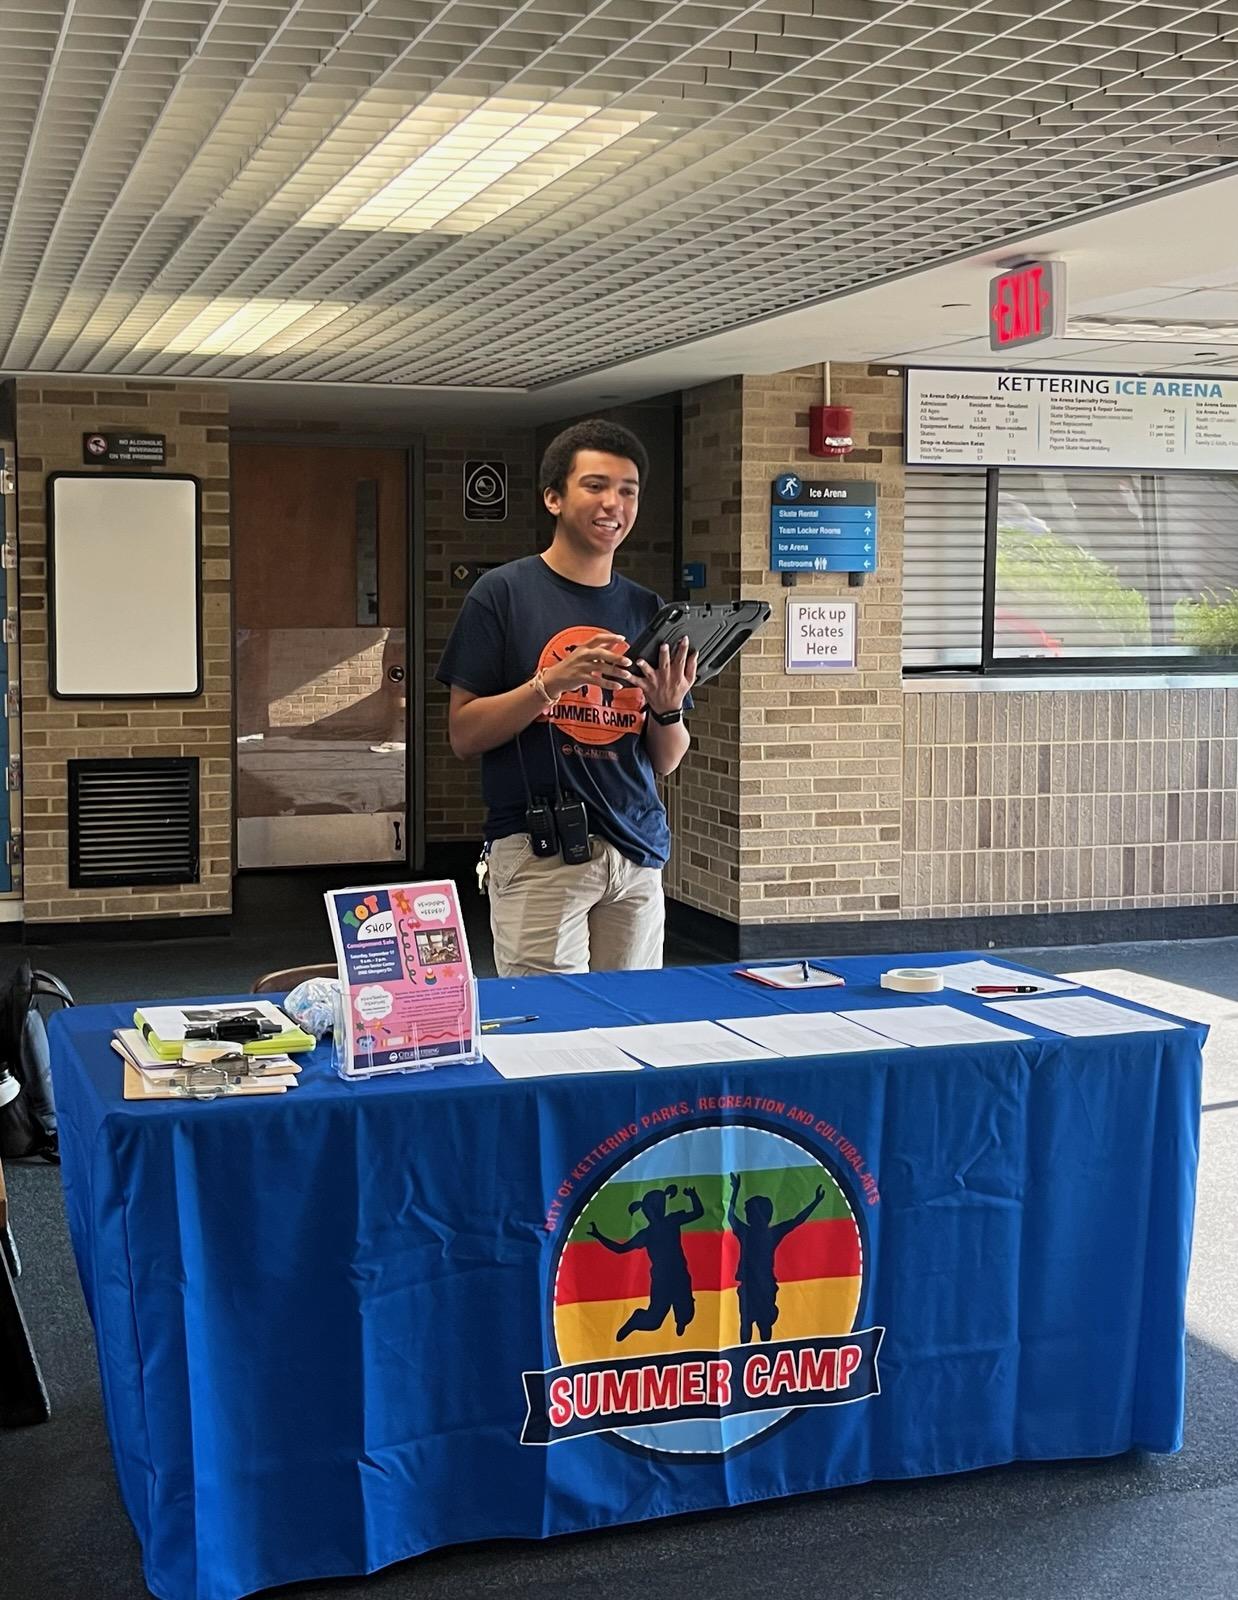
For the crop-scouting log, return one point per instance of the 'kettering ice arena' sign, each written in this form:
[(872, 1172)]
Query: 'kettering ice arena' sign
[(964, 418)]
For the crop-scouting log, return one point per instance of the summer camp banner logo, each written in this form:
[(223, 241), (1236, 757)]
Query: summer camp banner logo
[(593, 715), (703, 1292)]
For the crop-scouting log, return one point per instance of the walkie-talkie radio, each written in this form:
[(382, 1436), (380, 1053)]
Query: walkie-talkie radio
[(559, 826), (539, 819), (572, 822)]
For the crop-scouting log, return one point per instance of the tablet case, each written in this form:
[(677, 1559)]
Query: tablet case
[(717, 632)]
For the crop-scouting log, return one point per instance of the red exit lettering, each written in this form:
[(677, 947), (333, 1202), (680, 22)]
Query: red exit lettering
[(1021, 306)]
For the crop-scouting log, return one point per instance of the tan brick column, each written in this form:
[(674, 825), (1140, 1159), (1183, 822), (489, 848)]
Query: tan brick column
[(790, 808), (703, 798)]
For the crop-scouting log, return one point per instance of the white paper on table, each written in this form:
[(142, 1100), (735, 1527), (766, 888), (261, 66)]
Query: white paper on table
[(817, 1033), (683, 1044), (550, 1055), (931, 1025), (966, 975), (1078, 1016)]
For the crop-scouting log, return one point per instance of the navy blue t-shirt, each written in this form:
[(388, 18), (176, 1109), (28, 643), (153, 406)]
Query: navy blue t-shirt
[(522, 616)]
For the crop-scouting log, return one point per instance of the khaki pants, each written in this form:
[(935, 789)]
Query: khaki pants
[(603, 916)]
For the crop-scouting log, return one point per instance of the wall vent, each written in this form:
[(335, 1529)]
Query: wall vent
[(133, 822)]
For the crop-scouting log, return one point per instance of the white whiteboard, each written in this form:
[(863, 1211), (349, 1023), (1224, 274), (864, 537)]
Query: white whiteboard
[(124, 566), (986, 418)]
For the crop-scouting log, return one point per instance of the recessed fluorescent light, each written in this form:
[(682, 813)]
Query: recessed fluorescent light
[(435, 170), (1115, 328), (236, 327)]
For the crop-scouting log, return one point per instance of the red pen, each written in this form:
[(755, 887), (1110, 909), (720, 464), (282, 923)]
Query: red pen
[(1006, 988)]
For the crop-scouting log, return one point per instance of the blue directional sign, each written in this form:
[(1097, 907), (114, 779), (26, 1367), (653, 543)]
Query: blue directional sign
[(822, 525)]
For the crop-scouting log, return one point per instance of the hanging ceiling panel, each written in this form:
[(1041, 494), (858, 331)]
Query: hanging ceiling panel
[(510, 195)]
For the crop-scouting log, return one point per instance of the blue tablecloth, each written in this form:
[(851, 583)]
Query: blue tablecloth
[(348, 1324)]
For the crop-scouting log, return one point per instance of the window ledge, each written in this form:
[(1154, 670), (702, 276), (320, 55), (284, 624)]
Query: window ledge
[(1025, 682)]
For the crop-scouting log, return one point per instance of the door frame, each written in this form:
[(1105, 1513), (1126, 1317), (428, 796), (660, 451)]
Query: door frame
[(413, 446)]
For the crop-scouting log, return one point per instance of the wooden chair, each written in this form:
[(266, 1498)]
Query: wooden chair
[(288, 977)]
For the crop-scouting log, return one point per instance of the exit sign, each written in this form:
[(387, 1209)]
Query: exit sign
[(1027, 303)]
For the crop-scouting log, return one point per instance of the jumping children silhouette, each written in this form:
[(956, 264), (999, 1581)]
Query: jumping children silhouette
[(758, 1244), (670, 1283)]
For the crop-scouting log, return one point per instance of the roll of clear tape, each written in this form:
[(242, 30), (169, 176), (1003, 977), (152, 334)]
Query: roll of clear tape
[(913, 980)]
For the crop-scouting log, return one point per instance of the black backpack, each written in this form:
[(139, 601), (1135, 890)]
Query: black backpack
[(27, 1110)]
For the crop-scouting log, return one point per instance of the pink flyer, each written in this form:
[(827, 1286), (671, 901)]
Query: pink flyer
[(410, 1001)]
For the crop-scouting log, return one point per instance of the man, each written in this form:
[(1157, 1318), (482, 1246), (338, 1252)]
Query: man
[(542, 691)]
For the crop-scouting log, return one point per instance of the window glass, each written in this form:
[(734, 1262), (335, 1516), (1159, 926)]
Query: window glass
[(1115, 565), (943, 568)]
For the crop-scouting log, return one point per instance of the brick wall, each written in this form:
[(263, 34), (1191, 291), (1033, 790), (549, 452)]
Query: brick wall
[(51, 416), (703, 796), (821, 779), (1070, 800), (313, 674), (856, 801), (454, 808), (804, 797), (790, 805)]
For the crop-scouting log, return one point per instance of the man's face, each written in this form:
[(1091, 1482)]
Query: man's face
[(599, 501)]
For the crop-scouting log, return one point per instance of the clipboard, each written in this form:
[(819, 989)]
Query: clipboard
[(717, 632), (137, 1086)]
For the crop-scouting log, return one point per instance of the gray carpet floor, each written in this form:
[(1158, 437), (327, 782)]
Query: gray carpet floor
[(1149, 1526)]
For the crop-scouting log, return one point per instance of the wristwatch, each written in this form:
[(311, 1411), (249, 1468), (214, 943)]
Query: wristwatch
[(664, 719)]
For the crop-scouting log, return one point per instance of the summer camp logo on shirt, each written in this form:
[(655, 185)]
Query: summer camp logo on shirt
[(591, 715), (703, 1292)]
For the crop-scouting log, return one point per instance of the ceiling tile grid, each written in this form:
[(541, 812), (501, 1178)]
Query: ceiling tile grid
[(467, 193)]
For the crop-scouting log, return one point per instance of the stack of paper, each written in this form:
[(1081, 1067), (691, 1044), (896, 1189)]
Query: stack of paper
[(552, 1055), (152, 1077), (931, 1025), (820, 1033), (1083, 1015), (970, 975), (683, 1044)]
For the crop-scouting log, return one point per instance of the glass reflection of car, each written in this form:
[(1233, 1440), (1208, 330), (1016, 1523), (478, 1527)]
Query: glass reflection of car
[(1011, 631)]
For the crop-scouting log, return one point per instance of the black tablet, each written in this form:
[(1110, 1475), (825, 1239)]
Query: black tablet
[(717, 632)]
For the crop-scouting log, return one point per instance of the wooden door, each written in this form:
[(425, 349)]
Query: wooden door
[(321, 549)]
